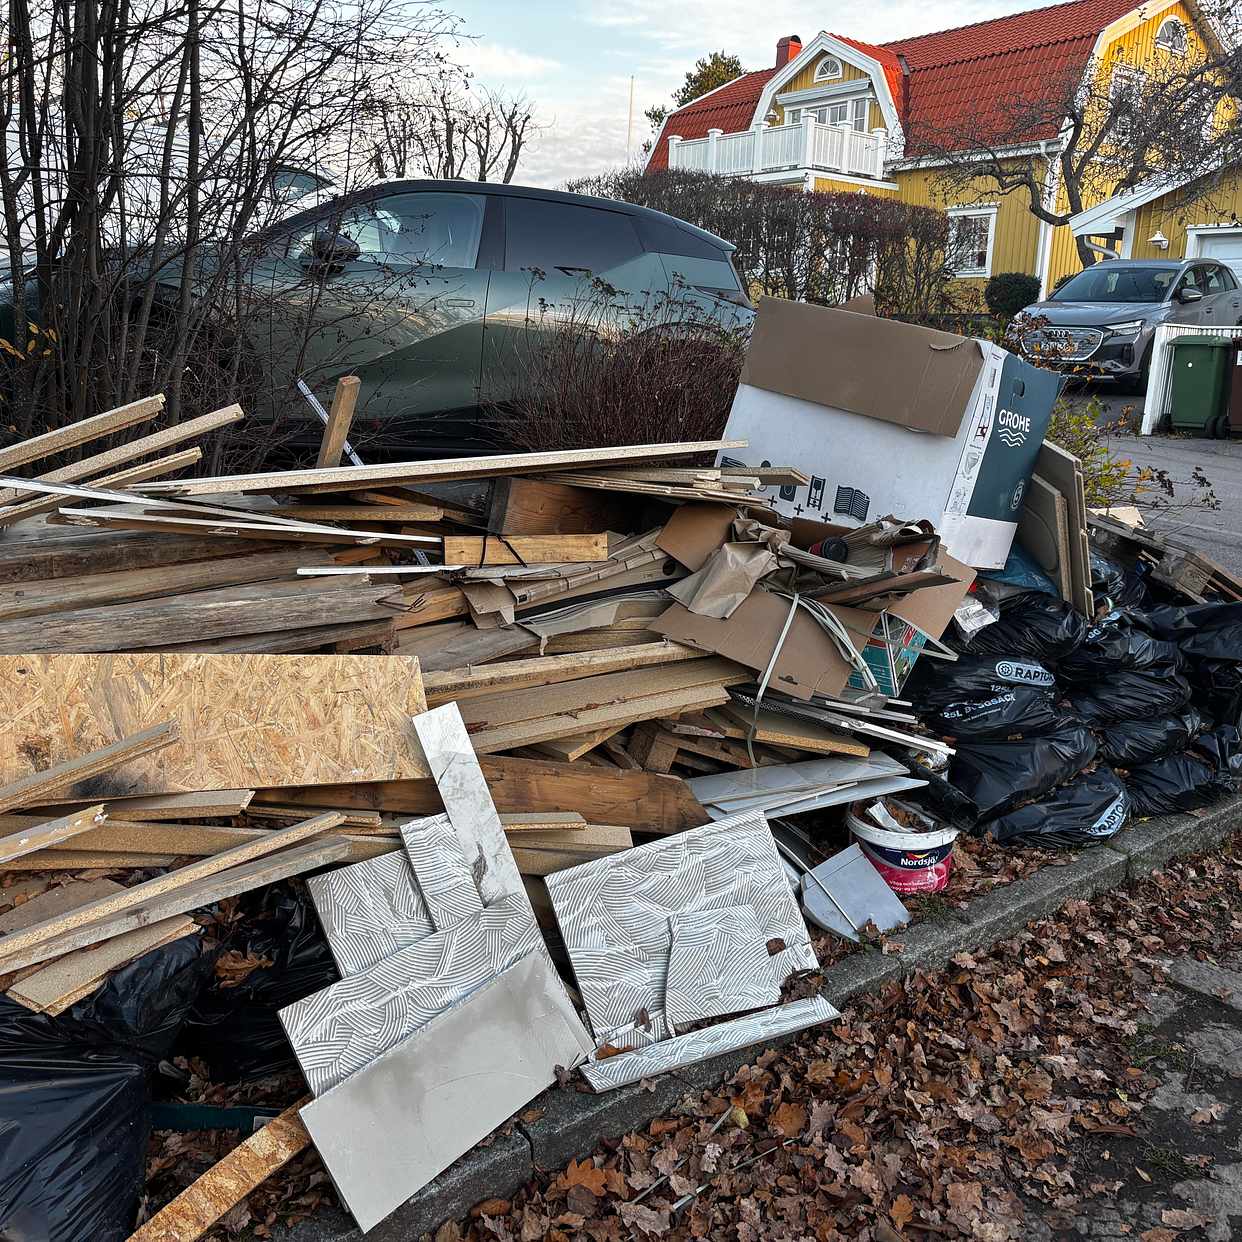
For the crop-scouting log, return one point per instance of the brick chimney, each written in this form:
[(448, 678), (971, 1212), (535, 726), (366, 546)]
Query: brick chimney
[(787, 49)]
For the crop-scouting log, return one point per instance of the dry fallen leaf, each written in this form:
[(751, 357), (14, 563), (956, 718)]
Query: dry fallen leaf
[(1158, 1235), (1213, 1112), (583, 1173), (789, 1120), (1185, 1218), (901, 1211)]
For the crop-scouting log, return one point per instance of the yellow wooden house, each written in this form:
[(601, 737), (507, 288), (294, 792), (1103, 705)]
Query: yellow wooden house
[(840, 114)]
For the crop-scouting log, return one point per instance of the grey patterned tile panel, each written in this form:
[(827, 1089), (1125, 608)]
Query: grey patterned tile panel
[(441, 871), (718, 964)]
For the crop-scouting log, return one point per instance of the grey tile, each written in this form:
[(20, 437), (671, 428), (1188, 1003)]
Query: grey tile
[(712, 1041), (392, 1127), (370, 910), (718, 964), (341, 1028), (441, 870)]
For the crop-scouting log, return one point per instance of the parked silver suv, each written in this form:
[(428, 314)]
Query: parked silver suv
[(1101, 322)]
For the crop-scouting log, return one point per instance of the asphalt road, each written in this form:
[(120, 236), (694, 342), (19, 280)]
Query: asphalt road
[(1217, 532)]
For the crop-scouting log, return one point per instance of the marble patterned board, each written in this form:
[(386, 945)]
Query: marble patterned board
[(718, 964), (441, 871), (614, 914)]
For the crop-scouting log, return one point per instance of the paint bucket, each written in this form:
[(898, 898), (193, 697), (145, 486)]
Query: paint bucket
[(911, 861)]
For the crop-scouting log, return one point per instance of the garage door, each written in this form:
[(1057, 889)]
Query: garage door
[(1225, 246)]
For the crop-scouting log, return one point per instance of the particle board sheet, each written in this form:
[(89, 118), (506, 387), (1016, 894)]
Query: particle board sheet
[(370, 910), (711, 1041), (338, 1030), (244, 720), (54, 902), (388, 1130), (614, 914)]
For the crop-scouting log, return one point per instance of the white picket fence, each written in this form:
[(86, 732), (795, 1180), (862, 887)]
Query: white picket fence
[(1159, 402)]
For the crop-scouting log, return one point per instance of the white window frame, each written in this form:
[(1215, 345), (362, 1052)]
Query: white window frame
[(1120, 74), (986, 211), (825, 74), (1178, 47)]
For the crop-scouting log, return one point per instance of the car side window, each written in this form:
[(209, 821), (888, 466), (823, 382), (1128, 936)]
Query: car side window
[(566, 238), (417, 229), (1214, 280), (1189, 279)]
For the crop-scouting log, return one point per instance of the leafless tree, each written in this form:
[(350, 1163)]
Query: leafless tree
[(1171, 121)]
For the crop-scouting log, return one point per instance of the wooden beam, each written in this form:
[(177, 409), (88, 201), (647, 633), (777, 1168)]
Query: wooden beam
[(471, 681), (31, 943), (193, 1212), (534, 507), (340, 418), (575, 745), (80, 432), (350, 478), (45, 784), (524, 549), (143, 447), (40, 836)]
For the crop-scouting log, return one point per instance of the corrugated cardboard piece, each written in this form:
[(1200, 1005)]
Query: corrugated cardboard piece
[(901, 373)]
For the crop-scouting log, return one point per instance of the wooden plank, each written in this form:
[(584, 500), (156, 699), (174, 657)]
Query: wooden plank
[(32, 599), (653, 749), (227, 1183), (454, 645), (528, 732), (173, 840), (340, 418), (353, 818), (535, 507), (349, 478), (195, 617), (207, 804), (361, 513), (781, 730), (66, 859), (343, 639), (100, 463), (27, 788), (88, 918), (1043, 531), (118, 419), (68, 979), (515, 549), (546, 821), (575, 745), (55, 901), (30, 840), (470, 682), (298, 720), (647, 803)]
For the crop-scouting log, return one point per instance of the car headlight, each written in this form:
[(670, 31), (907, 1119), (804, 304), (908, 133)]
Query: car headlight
[(1131, 327)]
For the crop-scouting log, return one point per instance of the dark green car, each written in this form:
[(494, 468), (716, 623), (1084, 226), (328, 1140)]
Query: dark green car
[(435, 293)]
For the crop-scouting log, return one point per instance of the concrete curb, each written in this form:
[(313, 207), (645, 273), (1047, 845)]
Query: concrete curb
[(573, 1123)]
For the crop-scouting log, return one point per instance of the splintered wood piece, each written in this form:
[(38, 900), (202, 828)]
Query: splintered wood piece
[(226, 1184), (86, 919), (297, 720), (101, 462), (340, 417), (352, 819), (80, 432), (471, 681), (55, 901), (60, 777), (122, 478), (210, 804), (40, 836), (524, 549), (567, 749), (548, 821)]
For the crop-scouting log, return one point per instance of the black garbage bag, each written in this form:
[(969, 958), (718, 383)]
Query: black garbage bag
[(1222, 748), (998, 776), (1204, 631), (1218, 689), (985, 697), (1126, 587), (1115, 642), (1086, 811), (74, 1096), (1131, 742), (1131, 694), (1033, 626), (1175, 783), (235, 1030)]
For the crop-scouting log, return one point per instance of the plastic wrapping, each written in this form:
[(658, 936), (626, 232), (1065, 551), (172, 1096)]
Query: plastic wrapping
[(998, 776), (1021, 572), (74, 1116), (1088, 810), (1116, 642), (1131, 694), (1204, 631), (1222, 748), (1218, 689), (235, 1030), (1126, 588), (1132, 742), (1174, 784), (1032, 627)]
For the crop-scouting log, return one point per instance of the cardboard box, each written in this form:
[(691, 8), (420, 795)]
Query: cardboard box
[(890, 418)]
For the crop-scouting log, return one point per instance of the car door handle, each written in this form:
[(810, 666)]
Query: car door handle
[(462, 303)]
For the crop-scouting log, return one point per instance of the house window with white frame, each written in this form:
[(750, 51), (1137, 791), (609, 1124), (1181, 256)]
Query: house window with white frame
[(1125, 89), (1172, 36), (972, 232), (828, 69), (854, 111)]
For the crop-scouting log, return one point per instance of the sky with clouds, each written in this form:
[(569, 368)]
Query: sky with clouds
[(575, 58)]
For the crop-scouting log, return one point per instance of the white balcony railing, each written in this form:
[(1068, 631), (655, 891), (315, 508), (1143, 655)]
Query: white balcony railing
[(806, 146)]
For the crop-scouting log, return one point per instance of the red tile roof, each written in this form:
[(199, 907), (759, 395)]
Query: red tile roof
[(999, 80)]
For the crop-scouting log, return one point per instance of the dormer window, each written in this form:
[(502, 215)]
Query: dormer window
[(1172, 36), (828, 69)]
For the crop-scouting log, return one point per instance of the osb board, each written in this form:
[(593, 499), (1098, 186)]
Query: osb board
[(245, 720)]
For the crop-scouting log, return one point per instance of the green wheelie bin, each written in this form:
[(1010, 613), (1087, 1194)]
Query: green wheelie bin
[(1199, 372)]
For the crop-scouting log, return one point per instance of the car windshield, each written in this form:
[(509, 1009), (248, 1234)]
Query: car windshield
[(1118, 284)]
